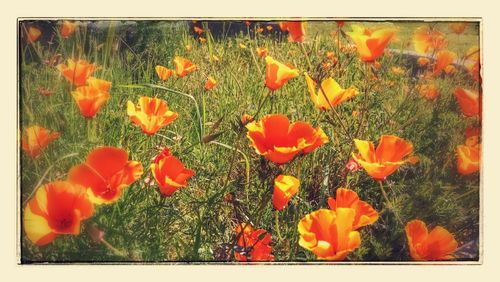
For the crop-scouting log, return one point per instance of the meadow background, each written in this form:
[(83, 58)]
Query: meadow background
[(232, 183)]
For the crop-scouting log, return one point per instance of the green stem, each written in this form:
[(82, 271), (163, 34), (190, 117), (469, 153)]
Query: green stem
[(388, 203), (277, 222), (303, 48), (203, 112), (261, 104), (247, 163), (45, 175)]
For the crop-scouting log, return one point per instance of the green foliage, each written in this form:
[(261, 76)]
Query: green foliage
[(232, 183)]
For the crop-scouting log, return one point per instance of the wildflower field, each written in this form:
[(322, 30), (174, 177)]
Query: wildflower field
[(244, 141)]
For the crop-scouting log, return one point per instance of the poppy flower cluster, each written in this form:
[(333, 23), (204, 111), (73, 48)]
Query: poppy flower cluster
[(182, 65), (59, 207)]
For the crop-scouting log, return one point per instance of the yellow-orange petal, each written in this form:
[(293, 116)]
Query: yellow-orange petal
[(163, 72), (277, 73), (285, 187), (468, 159), (210, 83), (468, 101)]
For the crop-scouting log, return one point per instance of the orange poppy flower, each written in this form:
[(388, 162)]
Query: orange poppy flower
[(386, 159), (364, 213), (35, 139), (210, 83), (279, 141), (439, 244), (277, 74), (57, 208), (330, 55), (330, 94), (261, 51), (444, 59), (329, 234), (91, 98), (246, 118), (458, 28), (163, 73), (423, 61), (106, 172), (472, 62), (198, 30), (150, 114), (285, 187), (77, 72), (269, 28), (429, 91), (427, 40), (259, 30), (253, 244), (450, 70), (183, 66), (370, 43), (472, 135), (296, 30), (202, 40), (170, 173), (67, 28), (468, 159), (33, 34), (468, 101), (101, 84)]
